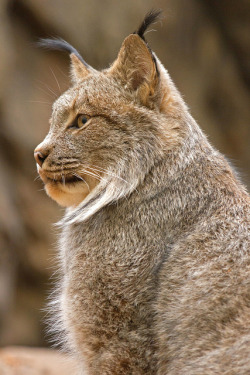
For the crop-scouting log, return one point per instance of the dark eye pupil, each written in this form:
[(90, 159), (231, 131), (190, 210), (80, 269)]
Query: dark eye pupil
[(84, 120)]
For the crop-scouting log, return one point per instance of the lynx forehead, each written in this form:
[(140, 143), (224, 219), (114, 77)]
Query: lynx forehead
[(154, 248)]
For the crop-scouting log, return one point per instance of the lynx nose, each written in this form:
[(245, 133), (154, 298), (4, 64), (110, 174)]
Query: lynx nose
[(40, 157)]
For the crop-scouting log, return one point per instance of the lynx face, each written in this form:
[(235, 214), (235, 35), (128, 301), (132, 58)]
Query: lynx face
[(85, 140), (106, 131)]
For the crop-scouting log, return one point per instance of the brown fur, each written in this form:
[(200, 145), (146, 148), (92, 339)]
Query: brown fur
[(155, 250)]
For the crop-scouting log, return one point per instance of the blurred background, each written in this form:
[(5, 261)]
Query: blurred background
[(204, 44)]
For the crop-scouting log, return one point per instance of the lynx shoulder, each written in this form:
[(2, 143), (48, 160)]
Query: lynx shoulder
[(154, 244)]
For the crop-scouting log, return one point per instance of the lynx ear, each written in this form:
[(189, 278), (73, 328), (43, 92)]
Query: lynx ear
[(136, 68), (78, 70)]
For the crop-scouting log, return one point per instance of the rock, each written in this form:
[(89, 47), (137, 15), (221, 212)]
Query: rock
[(34, 361)]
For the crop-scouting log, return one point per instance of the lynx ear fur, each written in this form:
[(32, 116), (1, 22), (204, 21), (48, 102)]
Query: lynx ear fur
[(136, 68), (78, 70)]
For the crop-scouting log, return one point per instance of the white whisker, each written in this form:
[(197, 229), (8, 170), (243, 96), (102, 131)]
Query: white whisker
[(99, 169), (56, 80), (46, 92), (75, 174), (65, 75), (92, 174), (48, 88)]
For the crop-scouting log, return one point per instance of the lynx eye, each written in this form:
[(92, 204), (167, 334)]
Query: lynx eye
[(82, 120), (79, 122)]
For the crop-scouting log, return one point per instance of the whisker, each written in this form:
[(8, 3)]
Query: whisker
[(99, 169), (91, 173), (62, 72), (46, 92), (103, 179), (75, 174), (99, 178), (48, 88), (56, 80)]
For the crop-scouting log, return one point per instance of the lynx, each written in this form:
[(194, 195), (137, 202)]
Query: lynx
[(154, 244)]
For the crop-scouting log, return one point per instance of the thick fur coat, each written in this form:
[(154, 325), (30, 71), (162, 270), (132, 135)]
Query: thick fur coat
[(154, 245)]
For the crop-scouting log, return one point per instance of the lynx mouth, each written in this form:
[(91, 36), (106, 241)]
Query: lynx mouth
[(59, 178), (65, 179)]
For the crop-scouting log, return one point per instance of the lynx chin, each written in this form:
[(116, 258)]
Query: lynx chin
[(154, 244)]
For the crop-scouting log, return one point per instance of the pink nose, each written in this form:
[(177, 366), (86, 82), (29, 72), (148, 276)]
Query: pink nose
[(39, 157)]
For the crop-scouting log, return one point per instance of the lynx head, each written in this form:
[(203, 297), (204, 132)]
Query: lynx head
[(109, 128)]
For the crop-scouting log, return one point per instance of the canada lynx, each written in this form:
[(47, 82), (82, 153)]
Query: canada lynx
[(154, 244)]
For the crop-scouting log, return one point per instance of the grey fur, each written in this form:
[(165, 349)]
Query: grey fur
[(155, 258)]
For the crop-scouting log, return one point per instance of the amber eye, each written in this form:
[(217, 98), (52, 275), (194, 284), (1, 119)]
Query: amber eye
[(82, 120), (79, 122)]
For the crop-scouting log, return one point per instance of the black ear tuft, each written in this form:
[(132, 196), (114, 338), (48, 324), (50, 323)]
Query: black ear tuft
[(151, 17), (60, 45)]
